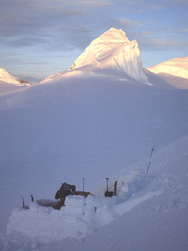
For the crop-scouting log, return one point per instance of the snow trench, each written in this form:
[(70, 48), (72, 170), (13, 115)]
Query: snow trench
[(81, 216)]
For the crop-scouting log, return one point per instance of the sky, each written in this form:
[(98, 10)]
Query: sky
[(42, 37)]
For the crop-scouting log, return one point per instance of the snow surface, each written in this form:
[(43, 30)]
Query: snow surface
[(76, 127)]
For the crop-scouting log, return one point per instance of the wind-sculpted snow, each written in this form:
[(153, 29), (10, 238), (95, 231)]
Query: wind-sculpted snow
[(110, 55)]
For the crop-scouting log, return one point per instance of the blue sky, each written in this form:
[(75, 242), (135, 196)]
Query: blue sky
[(42, 37)]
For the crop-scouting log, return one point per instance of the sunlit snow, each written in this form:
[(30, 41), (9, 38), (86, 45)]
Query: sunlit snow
[(99, 119)]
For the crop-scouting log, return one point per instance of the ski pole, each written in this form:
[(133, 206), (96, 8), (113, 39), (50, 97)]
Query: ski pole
[(150, 160)]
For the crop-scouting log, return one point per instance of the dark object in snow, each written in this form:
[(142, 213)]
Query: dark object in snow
[(110, 193), (85, 194), (65, 189), (149, 160), (23, 203), (32, 198), (62, 193), (115, 188), (107, 193), (57, 195)]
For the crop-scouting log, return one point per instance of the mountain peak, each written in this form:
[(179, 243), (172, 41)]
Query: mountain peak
[(112, 35), (10, 79), (112, 51), (110, 55)]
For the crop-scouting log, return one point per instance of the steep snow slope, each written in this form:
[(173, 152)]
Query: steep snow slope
[(112, 55), (177, 67), (9, 79), (9, 83)]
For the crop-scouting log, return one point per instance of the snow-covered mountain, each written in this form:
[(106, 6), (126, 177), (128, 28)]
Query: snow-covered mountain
[(93, 128), (173, 73), (109, 55), (177, 67), (6, 77)]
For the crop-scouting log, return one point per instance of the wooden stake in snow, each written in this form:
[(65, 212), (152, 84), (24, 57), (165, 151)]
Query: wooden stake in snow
[(150, 160)]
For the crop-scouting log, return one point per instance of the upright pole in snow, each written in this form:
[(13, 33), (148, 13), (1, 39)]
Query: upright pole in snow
[(150, 160), (32, 198), (107, 183), (23, 202), (83, 184)]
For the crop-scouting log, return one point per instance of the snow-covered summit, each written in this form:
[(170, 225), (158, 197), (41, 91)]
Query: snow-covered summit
[(177, 67), (10, 79), (111, 54)]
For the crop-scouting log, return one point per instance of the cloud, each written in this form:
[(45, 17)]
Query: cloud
[(158, 43), (97, 3), (54, 24), (62, 24), (127, 23), (183, 30)]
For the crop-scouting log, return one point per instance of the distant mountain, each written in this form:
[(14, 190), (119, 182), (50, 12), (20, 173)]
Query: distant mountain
[(177, 67), (6, 77), (112, 55)]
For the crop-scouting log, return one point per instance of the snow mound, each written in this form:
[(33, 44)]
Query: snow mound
[(177, 67), (111, 54)]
